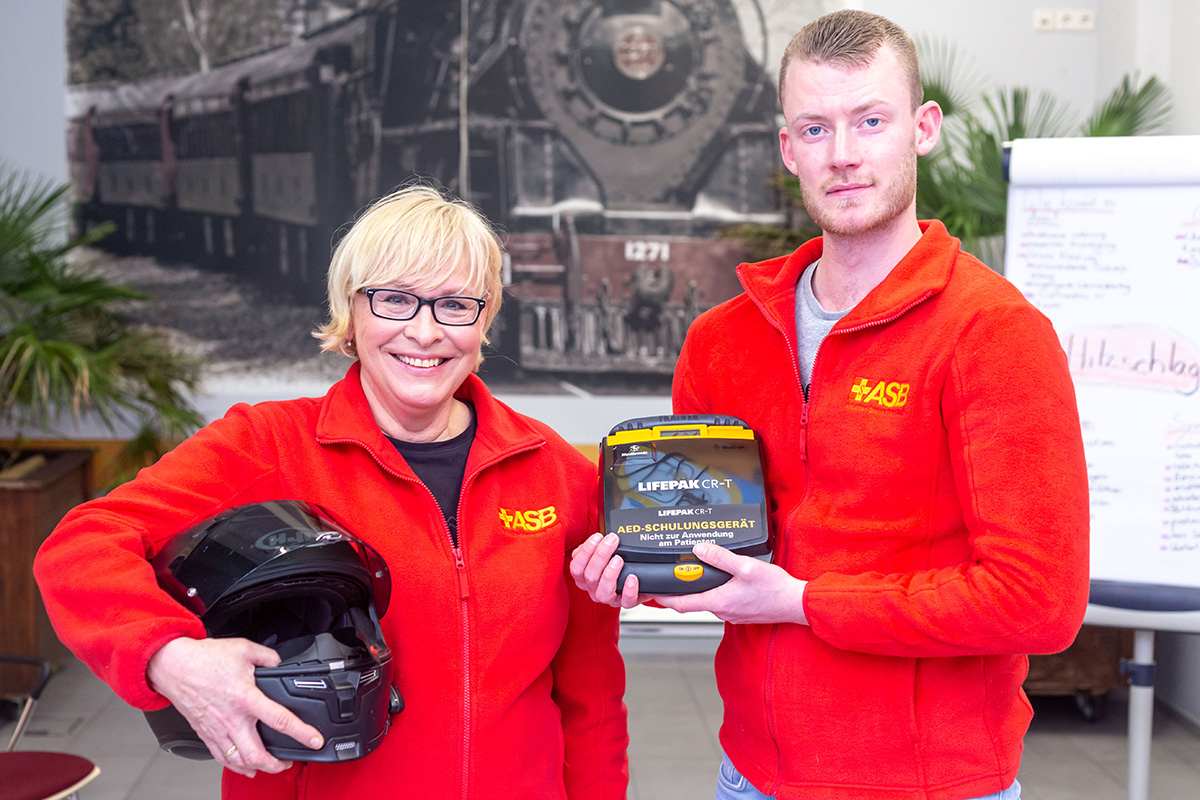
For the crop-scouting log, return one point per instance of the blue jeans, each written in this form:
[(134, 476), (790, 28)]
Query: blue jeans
[(731, 785)]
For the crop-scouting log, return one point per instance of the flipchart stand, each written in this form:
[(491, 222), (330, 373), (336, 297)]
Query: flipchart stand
[(1103, 236), (1145, 608)]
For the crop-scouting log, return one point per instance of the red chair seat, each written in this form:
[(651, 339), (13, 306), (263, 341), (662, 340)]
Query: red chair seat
[(34, 775)]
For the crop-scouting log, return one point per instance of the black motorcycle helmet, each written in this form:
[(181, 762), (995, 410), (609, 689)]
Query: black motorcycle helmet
[(285, 575)]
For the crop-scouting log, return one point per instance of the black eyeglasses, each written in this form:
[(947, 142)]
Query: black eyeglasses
[(400, 306)]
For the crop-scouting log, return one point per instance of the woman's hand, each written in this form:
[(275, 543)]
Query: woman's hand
[(211, 682), (595, 569)]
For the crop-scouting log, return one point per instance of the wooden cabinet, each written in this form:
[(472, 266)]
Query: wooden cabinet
[(30, 506), (1088, 669)]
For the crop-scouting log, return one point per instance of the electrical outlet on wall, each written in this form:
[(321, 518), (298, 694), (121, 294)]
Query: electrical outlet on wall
[(1064, 19)]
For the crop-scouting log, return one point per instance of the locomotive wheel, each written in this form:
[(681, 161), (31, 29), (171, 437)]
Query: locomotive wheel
[(637, 86)]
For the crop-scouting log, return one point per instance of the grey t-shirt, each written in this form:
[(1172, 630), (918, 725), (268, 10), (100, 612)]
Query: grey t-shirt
[(813, 324)]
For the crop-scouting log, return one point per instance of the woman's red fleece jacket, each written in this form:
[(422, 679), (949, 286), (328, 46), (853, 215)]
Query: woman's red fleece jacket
[(932, 490), (511, 676)]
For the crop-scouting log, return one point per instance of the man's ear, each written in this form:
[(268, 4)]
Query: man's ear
[(929, 127), (785, 150)]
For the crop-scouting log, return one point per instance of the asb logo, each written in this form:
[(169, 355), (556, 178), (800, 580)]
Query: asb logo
[(528, 521), (883, 394)]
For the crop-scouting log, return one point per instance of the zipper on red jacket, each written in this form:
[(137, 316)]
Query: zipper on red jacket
[(807, 390), (803, 448), (795, 361), (464, 616), (464, 592), (794, 358)]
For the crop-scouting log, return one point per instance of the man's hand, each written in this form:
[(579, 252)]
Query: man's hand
[(211, 682), (595, 570), (757, 592)]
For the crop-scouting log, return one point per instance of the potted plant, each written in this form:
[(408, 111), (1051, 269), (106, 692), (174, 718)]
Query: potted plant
[(65, 350)]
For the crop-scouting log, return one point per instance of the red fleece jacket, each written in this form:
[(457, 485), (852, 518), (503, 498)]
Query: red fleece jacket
[(511, 677), (933, 492)]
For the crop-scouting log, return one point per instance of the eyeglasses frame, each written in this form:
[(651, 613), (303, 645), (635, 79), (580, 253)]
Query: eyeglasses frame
[(424, 301)]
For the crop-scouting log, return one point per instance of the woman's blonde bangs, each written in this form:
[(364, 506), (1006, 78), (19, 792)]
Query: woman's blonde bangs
[(415, 237)]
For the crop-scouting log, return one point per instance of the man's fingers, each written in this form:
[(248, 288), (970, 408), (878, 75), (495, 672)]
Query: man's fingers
[(686, 602), (716, 556)]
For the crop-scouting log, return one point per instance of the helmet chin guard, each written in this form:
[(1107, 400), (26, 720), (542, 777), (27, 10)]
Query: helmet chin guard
[(285, 575)]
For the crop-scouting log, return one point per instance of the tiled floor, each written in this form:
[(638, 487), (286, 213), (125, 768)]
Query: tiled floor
[(674, 716)]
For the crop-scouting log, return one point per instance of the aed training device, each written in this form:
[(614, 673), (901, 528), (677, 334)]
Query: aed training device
[(672, 482)]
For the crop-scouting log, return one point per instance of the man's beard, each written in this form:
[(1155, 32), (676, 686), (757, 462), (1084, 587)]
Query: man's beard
[(897, 197)]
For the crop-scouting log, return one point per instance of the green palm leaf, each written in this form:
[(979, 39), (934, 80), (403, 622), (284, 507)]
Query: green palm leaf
[(950, 76), (1131, 110), (1018, 115), (65, 346)]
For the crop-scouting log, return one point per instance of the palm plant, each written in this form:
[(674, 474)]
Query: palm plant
[(1131, 110), (64, 343), (962, 182)]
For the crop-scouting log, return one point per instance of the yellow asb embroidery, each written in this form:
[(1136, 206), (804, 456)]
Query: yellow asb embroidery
[(530, 521), (885, 394)]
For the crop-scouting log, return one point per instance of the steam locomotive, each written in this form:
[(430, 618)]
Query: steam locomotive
[(608, 139)]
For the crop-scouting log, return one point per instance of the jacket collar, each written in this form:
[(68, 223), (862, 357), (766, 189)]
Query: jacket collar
[(345, 416), (923, 271)]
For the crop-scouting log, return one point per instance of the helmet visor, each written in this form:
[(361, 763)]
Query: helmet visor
[(247, 544)]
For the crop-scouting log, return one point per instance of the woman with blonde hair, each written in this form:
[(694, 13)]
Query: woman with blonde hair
[(511, 678)]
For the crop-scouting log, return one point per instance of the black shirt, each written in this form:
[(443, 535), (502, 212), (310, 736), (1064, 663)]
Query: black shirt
[(441, 466)]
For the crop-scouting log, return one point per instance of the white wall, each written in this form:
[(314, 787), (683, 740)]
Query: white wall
[(1148, 37), (1177, 683), (1135, 37), (1154, 37), (1185, 69), (33, 71), (1000, 38)]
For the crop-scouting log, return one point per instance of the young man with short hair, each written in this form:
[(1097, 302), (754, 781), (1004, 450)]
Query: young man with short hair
[(924, 462)]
